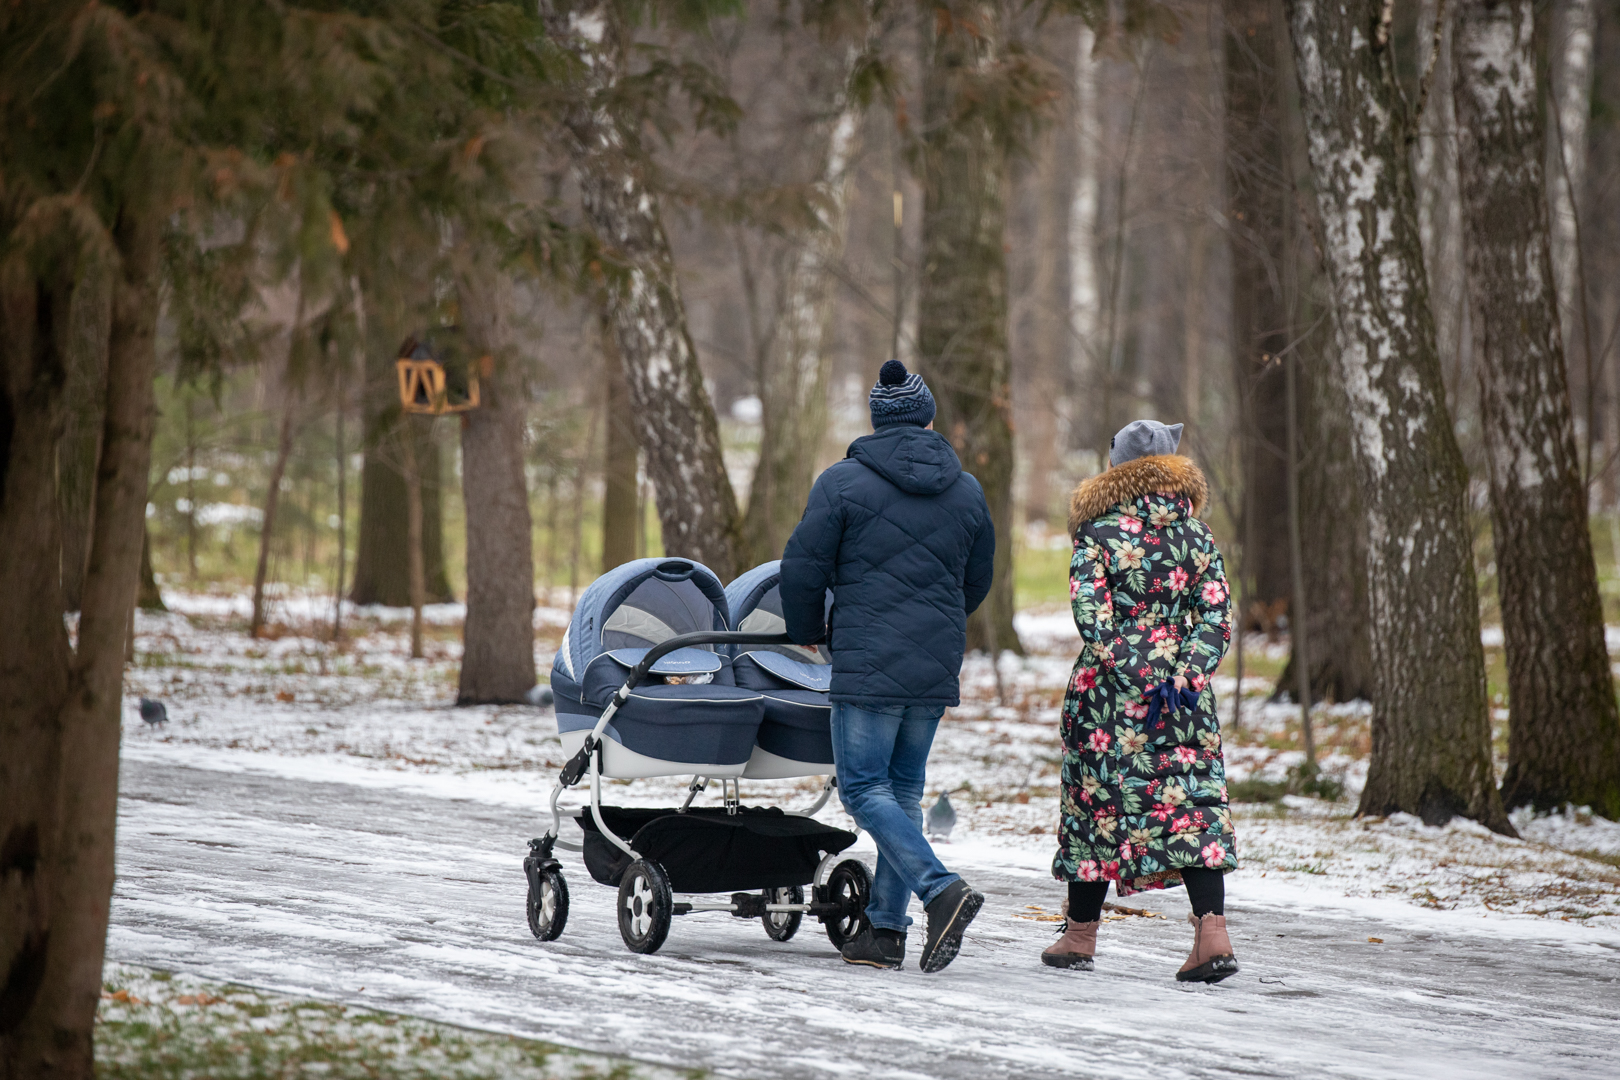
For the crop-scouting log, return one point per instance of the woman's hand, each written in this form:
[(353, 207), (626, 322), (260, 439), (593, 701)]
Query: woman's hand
[(1180, 682)]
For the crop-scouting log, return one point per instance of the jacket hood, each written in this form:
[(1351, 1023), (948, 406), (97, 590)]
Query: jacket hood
[(913, 459), (1169, 473)]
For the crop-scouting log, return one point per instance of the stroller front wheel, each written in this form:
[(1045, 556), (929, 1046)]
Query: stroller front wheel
[(645, 906), (850, 887), (782, 925), (548, 910)]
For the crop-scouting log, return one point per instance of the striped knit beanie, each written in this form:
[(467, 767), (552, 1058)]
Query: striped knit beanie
[(900, 398)]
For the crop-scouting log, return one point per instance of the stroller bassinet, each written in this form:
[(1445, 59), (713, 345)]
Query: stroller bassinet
[(795, 735), (645, 684)]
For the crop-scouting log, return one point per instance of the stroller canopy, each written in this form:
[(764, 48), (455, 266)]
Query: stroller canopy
[(638, 605)]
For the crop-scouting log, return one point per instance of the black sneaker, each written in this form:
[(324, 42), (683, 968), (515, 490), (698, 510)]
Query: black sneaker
[(948, 915), (876, 948)]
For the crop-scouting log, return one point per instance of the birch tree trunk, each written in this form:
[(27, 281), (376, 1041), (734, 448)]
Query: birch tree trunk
[(1564, 730), (1085, 298), (675, 421), (962, 298), (497, 660), (272, 500), (793, 392), (1430, 735)]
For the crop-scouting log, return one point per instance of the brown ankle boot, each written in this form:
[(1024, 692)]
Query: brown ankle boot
[(1211, 959), (1075, 948)]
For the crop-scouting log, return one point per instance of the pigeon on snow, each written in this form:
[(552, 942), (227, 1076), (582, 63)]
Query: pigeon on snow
[(153, 712), (941, 818)]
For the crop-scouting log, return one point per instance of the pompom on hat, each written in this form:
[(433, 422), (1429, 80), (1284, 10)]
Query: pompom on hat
[(900, 397)]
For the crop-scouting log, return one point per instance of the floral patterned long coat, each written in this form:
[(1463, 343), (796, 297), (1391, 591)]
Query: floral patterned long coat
[(1143, 798)]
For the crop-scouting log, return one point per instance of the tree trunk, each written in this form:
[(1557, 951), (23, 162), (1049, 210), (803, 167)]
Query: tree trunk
[(1430, 734), (47, 1028), (1086, 360), (267, 527), (497, 661), (620, 498), (85, 351), (1434, 164), (1260, 202), (962, 297), (148, 596), (1569, 68), (382, 560), (1564, 730), (793, 387), (415, 570), (675, 421), (35, 658)]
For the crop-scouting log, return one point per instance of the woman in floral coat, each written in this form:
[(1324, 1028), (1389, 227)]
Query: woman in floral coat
[(1143, 800)]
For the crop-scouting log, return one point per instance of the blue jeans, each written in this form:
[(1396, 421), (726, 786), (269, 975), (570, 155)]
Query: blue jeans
[(882, 756)]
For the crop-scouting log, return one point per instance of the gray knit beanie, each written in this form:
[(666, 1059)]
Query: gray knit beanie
[(900, 398), (1143, 438)]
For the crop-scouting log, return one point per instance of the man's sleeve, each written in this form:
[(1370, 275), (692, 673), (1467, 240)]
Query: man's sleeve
[(810, 562), (981, 564)]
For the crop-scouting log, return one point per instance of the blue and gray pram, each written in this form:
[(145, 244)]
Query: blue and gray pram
[(662, 672)]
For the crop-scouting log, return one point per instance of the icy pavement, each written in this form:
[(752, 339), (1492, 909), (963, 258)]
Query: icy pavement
[(315, 820), (412, 901)]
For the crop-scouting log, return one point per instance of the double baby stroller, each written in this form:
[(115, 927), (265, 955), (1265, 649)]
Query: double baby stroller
[(662, 672)]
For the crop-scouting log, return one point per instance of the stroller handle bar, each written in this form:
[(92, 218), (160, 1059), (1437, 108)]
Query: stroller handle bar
[(702, 637), (580, 762)]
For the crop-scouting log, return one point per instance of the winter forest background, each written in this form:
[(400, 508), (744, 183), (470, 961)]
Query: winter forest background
[(1369, 255)]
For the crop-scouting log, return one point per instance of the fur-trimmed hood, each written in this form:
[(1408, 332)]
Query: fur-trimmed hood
[(1141, 476)]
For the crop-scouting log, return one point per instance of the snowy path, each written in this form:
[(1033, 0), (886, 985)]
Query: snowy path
[(407, 901)]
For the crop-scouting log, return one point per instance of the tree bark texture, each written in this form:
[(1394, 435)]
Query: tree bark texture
[(497, 662), (1434, 165), (675, 421), (1259, 203), (382, 559), (48, 1030), (35, 657), (620, 495), (267, 524), (1564, 729), (1573, 26), (80, 446), (1430, 735), (962, 296), (148, 597), (793, 389)]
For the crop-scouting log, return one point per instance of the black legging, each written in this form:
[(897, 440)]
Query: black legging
[(1206, 890)]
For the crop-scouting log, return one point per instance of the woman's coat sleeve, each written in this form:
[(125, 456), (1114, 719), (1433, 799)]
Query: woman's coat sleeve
[(1211, 608), (1090, 596)]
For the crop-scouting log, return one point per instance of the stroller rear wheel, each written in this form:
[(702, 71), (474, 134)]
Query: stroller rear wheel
[(850, 887), (782, 925), (548, 911), (645, 906)]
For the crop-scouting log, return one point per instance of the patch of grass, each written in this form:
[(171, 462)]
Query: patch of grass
[(153, 1025)]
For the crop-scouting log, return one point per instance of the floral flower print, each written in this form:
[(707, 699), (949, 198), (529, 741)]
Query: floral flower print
[(1140, 804)]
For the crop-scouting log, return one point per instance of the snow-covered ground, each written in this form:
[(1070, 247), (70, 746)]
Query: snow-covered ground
[(318, 820)]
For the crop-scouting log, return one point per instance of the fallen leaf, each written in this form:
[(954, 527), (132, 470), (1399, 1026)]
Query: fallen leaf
[(198, 999), (1376, 940), (286, 695)]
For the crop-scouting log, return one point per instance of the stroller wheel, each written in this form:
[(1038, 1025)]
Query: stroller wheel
[(548, 912), (645, 906), (850, 887), (782, 925)]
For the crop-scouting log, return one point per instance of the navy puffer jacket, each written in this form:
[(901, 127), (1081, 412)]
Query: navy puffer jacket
[(903, 538)]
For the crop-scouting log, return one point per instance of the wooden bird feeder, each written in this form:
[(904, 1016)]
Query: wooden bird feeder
[(426, 387)]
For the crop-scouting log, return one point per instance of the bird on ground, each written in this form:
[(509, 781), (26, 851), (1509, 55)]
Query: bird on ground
[(153, 712), (941, 818)]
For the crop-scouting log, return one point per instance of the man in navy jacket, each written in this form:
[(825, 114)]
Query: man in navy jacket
[(903, 538)]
